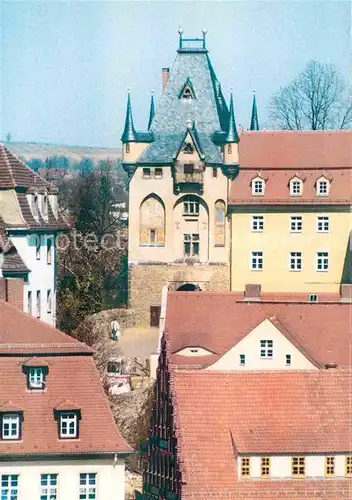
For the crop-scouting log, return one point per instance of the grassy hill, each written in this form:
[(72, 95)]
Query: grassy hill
[(30, 150)]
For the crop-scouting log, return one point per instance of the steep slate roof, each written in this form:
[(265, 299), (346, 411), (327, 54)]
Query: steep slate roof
[(218, 415), (208, 111), (217, 321), (71, 371)]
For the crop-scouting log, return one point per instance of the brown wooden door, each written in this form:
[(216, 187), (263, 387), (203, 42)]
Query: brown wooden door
[(154, 315)]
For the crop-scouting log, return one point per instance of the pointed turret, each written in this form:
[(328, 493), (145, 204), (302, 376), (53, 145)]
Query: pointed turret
[(232, 135), (152, 110), (254, 118), (129, 133)]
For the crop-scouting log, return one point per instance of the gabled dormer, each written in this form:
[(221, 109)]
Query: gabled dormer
[(187, 91), (323, 186), (189, 160), (68, 416), (36, 371), (296, 186), (258, 185)]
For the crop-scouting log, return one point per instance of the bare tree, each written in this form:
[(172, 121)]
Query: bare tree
[(318, 99)]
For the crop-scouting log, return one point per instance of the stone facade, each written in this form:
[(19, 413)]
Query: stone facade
[(146, 282)]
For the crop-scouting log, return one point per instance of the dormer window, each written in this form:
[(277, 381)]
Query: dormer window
[(258, 186), (68, 420), (45, 206), (187, 92), (188, 148), (36, 378), (36, 373), (323, 186), (296, 187), (68, 425), (35, 210), (11, 426)]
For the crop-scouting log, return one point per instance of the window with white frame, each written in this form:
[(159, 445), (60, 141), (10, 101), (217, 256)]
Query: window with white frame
[(38, 312), (257, 261), (257, 223), (68, 425), (258, 187), (242, 359), (296, 187), (266, 348), (36, 377), (9, 489), (288, 359), (88, 486), (322, 261), (322, 187), (49, 301), (48, 487), (323, 224), (296, 224), (295, 261), (10, 426)]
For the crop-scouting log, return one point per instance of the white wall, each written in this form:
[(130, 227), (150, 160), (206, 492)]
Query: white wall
[(42, 275), (280, 466), (110, 478), (250, 347)]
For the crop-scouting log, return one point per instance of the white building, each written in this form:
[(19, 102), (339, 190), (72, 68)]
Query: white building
[(29, 224), (58, 439)]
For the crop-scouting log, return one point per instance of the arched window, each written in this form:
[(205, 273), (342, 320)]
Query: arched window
[(35, 205), (45, 205), (152, 222), (220, 209)]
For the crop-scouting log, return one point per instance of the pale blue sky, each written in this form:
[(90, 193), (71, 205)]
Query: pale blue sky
[(66, 65)]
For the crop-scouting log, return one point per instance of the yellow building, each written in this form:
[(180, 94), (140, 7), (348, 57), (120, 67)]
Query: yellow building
[(291, 213)]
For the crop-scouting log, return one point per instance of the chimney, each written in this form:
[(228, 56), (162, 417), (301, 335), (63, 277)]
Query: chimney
[(252, 292), (165, 77), (346, 292), (11, 290)]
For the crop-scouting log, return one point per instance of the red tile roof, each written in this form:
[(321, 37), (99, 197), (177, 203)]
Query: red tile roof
[(218, 415), (71, 371), (277, 156), (326, 149), (15, 173), (22, 333), (216, 321)]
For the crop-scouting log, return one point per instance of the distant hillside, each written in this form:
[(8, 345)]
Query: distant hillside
[(30, 150)]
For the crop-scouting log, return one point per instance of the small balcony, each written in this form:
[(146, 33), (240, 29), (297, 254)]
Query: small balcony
[(188, 177)]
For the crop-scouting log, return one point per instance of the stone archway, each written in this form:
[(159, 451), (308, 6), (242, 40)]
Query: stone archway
[(188, 287)]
